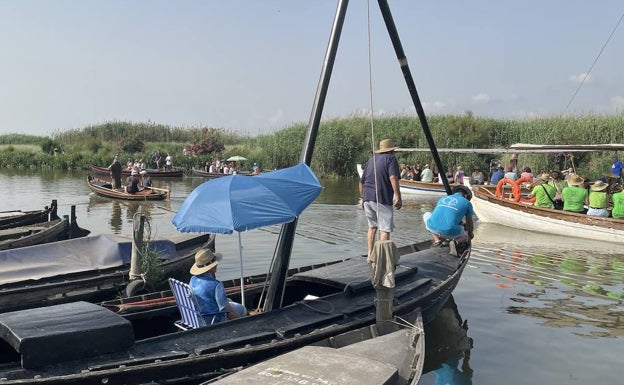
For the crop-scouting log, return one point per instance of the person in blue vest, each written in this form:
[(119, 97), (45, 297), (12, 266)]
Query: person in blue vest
[(209, 291), (451, 217)]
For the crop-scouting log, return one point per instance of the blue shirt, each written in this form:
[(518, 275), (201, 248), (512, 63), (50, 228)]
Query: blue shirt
[(386, 165), (496, 176), (448, 214), (616, 168), (210, 295)]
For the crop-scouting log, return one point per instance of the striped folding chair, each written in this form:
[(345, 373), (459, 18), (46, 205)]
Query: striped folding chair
[(192, 317)]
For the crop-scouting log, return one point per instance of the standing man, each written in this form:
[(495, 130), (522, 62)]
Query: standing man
[(616, 168), (115, 172), (379, 190)]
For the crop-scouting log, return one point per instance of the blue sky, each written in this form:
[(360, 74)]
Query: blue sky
[(253, 66)]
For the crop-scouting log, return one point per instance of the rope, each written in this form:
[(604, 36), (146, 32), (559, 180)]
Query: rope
[(370, 108), (593, 64)]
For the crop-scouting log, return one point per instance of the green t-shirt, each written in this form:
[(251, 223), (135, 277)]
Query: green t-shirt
[(574, 198), (541, 199), (598, 199), (618, 205)]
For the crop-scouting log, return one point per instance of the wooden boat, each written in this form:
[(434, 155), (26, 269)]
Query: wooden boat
[(425, 279), (370, 355), (152, 172), (212, 175), (16, 218), (105, 188), (35, 234), (94, 268), (507, 212)]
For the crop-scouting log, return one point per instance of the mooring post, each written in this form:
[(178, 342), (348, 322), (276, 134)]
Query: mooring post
[(136, 260)]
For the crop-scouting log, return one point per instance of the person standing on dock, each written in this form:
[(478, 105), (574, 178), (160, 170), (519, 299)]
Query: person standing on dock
[(380, 193)]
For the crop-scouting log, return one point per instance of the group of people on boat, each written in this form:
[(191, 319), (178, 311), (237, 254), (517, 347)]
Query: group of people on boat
[(138, 179)]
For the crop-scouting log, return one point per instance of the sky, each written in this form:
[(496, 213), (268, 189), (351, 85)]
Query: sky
[(253, 67)]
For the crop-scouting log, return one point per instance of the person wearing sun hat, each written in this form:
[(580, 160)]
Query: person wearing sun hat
[(598, 199), (543, 192), (427, 174), (132, 183), (380, 193), (575, 196), (209, 291)]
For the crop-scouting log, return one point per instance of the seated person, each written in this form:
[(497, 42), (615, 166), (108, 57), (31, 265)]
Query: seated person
[(544, 192), (575, 196), (132, 183), (446, 219), (477, 176), (145, 181), (598, 199), (618, 202), (209, 291)]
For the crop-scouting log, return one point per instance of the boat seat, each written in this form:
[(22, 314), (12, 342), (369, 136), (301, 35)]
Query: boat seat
[(52, 334), (192, 317)]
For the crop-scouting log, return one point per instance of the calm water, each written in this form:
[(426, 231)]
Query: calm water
[(539, 309)]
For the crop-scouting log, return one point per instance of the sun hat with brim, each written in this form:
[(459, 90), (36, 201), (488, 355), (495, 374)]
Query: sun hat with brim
[(205, 260), (599, 185), (134, 172), (575, 180), (143, 172), (545, 177), (386, 145)]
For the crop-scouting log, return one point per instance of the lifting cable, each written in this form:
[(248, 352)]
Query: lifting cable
[(593, 64)]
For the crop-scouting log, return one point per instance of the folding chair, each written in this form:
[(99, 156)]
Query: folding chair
[(192, 317)]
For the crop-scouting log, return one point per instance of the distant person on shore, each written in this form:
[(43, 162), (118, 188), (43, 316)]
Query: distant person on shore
[(575, 196), (132, 183), (446, 219), (497, 175), (380, 193), (616, 168), (115, 172), (427, 174), (598, 199)]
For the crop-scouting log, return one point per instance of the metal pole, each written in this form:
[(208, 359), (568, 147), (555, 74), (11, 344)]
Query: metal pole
[(283, 251), (411, 87)]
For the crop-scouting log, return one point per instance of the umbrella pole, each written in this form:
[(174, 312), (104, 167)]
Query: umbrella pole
[(242, 282)]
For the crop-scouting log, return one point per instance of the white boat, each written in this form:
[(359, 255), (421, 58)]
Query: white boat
[(507, 212)]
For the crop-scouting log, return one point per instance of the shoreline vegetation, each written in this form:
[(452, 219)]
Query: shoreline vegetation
[(341, 143)]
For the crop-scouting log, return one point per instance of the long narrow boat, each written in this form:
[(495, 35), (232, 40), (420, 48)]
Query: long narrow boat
[(105, 188), (94, 268), (507, 212), (345, 300), (16, 218), (371, 355), (35, 234), (152, 172)]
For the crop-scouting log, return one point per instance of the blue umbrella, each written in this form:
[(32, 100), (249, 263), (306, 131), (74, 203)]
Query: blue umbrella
[(241, 202)]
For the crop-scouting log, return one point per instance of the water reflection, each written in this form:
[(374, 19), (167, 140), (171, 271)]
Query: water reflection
[(448, 346), (565, 283)]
